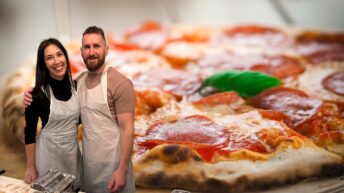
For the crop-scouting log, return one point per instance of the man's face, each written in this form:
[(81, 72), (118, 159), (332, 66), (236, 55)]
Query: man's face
[(93, 51)]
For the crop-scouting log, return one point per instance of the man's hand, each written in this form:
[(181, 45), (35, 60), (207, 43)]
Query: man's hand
[(27, 99), (30, 175), (118, 180)]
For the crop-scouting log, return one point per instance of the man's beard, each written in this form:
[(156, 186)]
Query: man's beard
[(96, 66)]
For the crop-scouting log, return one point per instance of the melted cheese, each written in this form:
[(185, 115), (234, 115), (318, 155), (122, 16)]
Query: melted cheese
[(310, 81), (248, 124)]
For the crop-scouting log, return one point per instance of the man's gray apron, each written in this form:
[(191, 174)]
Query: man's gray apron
[(101, 135), (57, 144)]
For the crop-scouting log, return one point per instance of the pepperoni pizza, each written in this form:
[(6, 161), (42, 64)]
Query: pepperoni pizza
[(217, 140)]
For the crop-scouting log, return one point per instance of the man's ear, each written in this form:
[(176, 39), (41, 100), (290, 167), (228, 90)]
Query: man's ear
[(106, 49), (82, 41)]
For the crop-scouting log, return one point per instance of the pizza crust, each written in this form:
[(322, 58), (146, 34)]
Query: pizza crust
[(186, 170), (12, 97)]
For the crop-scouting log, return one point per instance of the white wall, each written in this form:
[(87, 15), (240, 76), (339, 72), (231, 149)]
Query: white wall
[(325, 14), (24, 23)]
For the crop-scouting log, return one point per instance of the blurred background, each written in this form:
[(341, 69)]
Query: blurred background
[(24, 24)]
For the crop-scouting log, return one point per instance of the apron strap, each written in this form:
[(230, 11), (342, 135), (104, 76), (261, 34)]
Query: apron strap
[(104, 81), (81, 79)]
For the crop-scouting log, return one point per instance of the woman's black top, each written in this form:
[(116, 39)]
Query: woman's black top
[(40, 107)]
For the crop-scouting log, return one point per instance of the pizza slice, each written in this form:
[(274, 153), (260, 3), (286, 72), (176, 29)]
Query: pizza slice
[(318, 120), (206, 140), (186, 146)]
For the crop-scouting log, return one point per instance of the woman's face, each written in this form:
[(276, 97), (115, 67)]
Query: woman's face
[(55, 61)]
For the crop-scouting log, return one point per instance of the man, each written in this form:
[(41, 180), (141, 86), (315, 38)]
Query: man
[(107, 105), (107, 112)]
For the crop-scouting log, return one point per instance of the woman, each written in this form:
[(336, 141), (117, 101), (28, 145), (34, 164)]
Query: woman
[(55, 102)]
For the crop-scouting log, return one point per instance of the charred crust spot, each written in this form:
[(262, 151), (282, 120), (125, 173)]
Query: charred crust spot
[(177, 153), (196, 158), (332, 170), (262, 184), (242, 179), (217, 185), (170, 149), (182, 155), (156, 180)]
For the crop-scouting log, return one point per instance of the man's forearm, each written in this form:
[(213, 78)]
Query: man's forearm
[(126, 124), (126, 145)]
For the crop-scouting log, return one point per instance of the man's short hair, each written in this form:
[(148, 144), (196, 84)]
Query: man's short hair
[(94, 30)]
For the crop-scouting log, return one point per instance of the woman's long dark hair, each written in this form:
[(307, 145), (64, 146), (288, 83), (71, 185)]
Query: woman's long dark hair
[(42, 72)]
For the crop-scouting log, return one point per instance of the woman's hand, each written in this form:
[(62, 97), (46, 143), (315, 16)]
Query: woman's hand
[(30, 175), (27, 99)]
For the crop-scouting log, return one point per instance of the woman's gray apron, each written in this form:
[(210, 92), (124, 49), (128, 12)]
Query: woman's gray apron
[(57, 144)]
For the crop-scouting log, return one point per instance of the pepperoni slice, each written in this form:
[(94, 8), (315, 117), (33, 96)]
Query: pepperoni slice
[(219, 98), (334, 83), (250, 30), (222, 60), (276, 115), (278, 66), (294, 103), (250, 35), (149, 35), (314, 36), (177, 82), (332, 55), (319, 53), (120, 45), (326, 126), (198, 132), (248, 143), (144, 27), (321, 47), (309, 116)]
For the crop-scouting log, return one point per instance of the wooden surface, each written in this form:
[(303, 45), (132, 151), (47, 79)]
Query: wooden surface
[(334, 185)]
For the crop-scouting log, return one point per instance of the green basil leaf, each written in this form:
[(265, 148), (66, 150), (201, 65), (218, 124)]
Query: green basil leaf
[(246, 83)]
